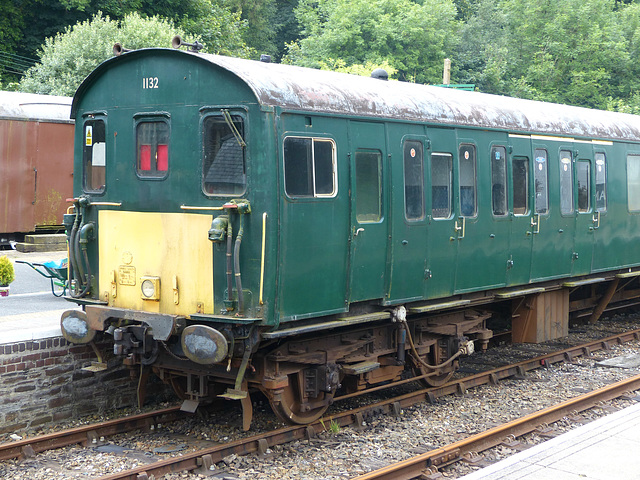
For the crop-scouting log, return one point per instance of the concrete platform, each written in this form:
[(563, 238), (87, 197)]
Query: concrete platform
[(31, 312), (606, 449), (30, 326)]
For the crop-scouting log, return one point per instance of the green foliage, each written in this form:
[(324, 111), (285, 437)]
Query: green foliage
[(334, 426), (260, 14), (25, 25), (569, 51), (7, 274), (220, 30), (69, 57), (582, 52), (365, 70), (285, 25), (412, 37)]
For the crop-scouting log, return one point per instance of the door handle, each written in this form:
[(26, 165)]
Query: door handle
[(460, 227), (535, 223), (596, 220), (355, 234)]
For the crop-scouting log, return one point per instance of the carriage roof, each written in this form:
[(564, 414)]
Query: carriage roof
[(319, 91), (31, 106)]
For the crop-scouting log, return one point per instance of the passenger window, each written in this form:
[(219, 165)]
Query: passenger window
[(584, 186), (441, 184), (633, 182), (468, 205), (566, 182), (540, 181), (94, 156), (601, 183), (309, 167), (413, 181), (223, 166), (152, 146), (368, 186), (520, 186), (499, 181)]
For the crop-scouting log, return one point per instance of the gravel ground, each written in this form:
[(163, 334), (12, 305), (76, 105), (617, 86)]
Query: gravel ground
[(341, 453)]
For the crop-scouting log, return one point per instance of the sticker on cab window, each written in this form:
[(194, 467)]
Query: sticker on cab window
[(88, 136)]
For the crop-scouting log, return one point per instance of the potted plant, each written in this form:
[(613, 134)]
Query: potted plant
[(7, 275)]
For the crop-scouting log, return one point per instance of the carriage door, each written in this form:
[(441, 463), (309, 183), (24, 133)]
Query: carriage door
[(605, 252), (584, 198), (368, 217), (442, 247), (522, 219)]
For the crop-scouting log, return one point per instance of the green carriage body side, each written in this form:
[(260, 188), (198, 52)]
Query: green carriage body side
[(320, 258)]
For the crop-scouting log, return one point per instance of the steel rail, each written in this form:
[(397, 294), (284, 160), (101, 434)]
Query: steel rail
[(416, 466), (203, 459), (86, 433)]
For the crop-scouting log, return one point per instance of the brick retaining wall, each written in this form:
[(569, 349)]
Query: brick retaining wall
[(42, 382)]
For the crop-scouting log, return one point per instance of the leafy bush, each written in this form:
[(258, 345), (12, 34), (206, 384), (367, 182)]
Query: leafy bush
[(7, 274)]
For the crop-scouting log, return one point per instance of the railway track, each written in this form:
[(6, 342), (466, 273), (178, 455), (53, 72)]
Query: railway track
[(422, 466), (203, 460), (88, 434)]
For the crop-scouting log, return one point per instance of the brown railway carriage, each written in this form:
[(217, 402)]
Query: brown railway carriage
[(36, 161)]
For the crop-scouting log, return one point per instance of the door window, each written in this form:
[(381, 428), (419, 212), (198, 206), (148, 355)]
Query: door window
[(413, 181), (368, 186), (520, 186), (468, 204), (441, 184), (94, 154), (499, 203), (601, 182), (584, 186), (541, 181), (566, 182)]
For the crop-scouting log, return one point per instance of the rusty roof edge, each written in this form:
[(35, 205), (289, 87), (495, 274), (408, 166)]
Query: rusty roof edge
[(304, 89)]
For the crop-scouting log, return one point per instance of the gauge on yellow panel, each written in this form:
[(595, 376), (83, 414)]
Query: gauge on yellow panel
[(150, 287)]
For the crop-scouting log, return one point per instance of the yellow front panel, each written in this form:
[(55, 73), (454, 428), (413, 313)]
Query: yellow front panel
[(171, 247)]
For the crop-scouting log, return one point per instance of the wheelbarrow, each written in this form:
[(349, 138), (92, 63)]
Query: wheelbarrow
[(56, 272)]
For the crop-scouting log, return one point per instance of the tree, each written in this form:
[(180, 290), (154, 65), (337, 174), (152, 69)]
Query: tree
[(412, 37), (25, 24), (69, 57), (569, 51)]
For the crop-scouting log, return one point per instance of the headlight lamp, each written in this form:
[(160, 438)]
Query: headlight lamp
[(150, 287)]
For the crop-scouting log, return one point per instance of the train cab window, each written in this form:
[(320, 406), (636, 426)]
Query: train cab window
[(566, 182), (309, 167), (499, 180), (441, 184), (583, 175), (520, 185), (152, 147), (541, 181), (94, 156), (467, 159), (413, 181), (633, 182), (368, 186), (223, 166), (601, 182)]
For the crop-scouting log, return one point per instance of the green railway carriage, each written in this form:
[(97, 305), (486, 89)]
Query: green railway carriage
[(241, 225)]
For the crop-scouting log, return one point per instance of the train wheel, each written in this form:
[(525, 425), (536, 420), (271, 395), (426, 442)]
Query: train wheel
[(179, 386), (289, 407)]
